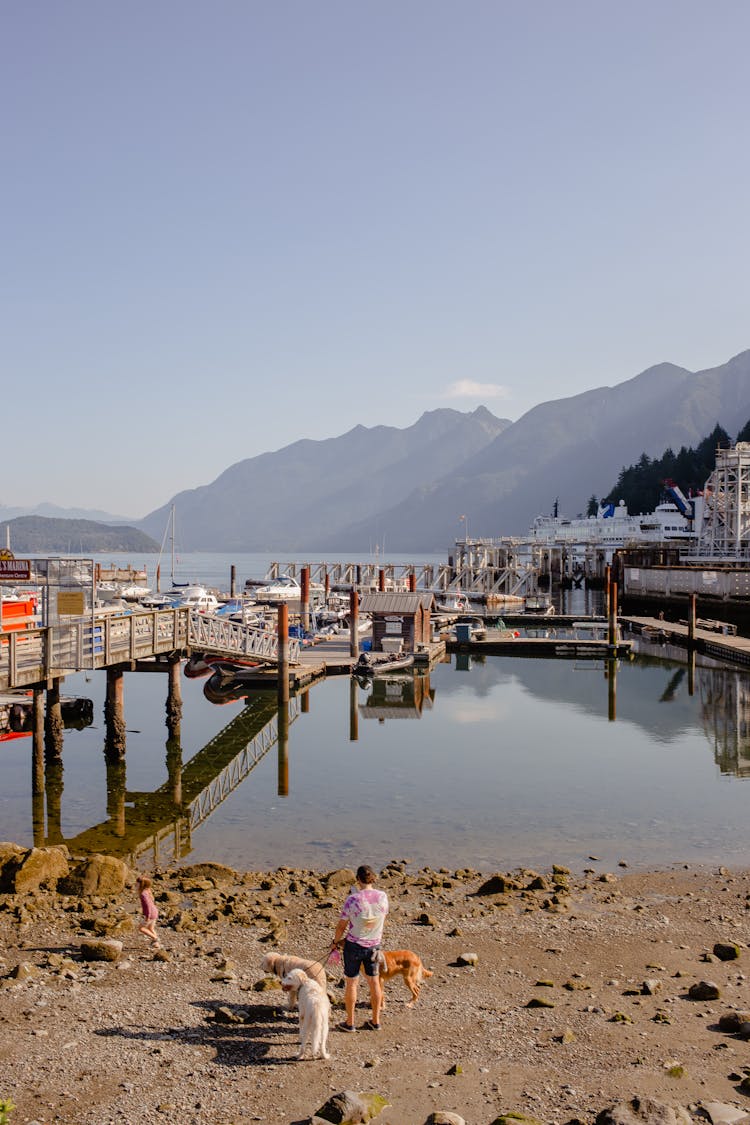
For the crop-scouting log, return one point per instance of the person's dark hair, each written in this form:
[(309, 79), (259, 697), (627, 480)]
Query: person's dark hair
[(365, 874)]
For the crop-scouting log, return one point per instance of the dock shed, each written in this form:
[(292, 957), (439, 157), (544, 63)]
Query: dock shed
[(400, 621)]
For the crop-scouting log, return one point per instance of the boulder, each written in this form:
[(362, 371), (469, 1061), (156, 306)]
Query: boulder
[(217, 872), (498, 884), (643, 1111), (441, 1117), (704, 990), (352, 1108), (34, 868), (726, 951), (106, 950), (337, 880), (96, 875), (512, 1118)]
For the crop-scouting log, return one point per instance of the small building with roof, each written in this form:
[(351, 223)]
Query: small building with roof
[(400, 620)]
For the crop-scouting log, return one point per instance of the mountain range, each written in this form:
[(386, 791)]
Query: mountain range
[(421, 488), (452, 473)]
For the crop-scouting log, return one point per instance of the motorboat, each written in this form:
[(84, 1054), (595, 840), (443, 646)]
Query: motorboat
[(283, 589), (381, 663), (134, 592), (453, 601), (191, 597)]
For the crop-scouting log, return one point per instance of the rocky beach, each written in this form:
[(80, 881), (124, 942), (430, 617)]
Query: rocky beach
[(559, 997)]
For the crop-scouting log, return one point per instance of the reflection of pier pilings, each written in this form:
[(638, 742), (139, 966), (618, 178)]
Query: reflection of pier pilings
[(283, 751), (53, 726), (53, 782), (611, 675), (114, 718), (353, 710), (116, 794), (37, 768)]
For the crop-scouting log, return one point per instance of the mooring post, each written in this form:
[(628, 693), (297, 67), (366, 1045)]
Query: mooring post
[(353, 623), (37, 768), (305, 702), (114, 714), (174, 695), (692, 614), (359, 575), (53, 724), (305, 597), (282, 783), (412, 582), (607, 588), (612, 632), (158, 578), (353, 710), (283, 657), (327, 586), (232, 581), (381, 581)]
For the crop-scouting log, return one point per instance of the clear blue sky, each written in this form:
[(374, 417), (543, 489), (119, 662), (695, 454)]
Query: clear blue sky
[(230, 225)]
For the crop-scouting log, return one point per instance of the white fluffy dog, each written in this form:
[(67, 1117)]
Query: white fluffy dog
[(314, 1009), (280, 964)]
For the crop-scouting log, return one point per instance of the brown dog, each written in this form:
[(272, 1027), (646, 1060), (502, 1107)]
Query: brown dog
[(405, 963)]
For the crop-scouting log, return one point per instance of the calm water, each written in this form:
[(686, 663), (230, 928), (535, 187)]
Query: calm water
[(494, 764)]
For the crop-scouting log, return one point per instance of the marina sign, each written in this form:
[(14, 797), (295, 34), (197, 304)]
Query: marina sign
[(15, 570)]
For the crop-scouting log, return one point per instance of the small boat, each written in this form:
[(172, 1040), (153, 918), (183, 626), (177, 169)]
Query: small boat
[(381, 663), (134, 592), (281, 589), (453, 601)]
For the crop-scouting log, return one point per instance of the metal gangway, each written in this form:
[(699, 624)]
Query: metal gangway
[(101, 640)]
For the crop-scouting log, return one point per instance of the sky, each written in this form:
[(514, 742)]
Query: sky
[(228, 226)]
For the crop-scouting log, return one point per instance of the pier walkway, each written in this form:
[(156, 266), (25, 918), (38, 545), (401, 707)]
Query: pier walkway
[(36, 656), (733, 649)]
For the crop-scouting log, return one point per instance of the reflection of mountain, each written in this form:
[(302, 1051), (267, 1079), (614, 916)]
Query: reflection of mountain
[(166, 818), (651, 694)]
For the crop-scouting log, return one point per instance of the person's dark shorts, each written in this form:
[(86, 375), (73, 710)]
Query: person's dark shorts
[(356, 955)]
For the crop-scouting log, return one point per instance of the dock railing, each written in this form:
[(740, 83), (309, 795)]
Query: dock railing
[(34, 656)]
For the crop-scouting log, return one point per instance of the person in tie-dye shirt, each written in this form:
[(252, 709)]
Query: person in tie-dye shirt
[(360, 932)]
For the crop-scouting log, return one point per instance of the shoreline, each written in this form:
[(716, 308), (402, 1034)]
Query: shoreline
[(579, 996)]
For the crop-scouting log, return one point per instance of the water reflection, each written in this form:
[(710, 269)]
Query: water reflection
[(667, 702)]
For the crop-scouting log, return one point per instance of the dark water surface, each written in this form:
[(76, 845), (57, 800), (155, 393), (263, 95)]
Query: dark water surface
[(489, 764)]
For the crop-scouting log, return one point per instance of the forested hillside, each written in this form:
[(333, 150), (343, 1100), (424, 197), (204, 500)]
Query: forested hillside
[(641, 485), (37, 535)]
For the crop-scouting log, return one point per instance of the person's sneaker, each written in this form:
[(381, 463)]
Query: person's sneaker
[(370, 1026), (345, 1027)]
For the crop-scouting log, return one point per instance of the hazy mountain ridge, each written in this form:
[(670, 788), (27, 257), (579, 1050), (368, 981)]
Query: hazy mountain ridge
[(305, 493), (36, 534), (567, 449), (410, 487)]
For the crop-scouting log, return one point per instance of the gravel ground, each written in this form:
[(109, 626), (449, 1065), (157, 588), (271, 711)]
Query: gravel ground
[(607, 959)]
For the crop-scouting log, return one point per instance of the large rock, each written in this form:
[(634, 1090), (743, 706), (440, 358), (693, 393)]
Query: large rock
[(106, 950), (498, 884), (29, 870), (217, 872), (352, 1108), (643, 1111), (96, 875), (342, 878)]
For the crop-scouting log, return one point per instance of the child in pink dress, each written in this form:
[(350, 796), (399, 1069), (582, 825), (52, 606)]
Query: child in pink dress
[(149, 908)]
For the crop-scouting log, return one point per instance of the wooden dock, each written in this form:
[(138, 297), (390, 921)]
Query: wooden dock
[(733, 649)]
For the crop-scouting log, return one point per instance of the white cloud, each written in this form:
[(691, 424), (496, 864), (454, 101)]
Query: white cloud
[(467, 388)]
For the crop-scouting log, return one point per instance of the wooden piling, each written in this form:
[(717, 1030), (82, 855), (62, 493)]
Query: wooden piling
[(412, 582), (232, 581), (283, 657), (53, 724), (612, 617), (611, 674), (305, 597), (174, 694), (692, 615), (353, 624), (115, 768), (114, 714), (53, 785), (381, 581)]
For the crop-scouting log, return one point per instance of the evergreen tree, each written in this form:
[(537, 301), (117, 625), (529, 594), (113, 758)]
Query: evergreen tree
[(592, 507)]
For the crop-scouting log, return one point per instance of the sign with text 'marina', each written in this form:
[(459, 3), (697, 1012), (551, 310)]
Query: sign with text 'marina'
[(15, 570)]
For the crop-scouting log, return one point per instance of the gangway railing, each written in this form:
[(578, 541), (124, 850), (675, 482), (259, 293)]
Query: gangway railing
[(33, 656)]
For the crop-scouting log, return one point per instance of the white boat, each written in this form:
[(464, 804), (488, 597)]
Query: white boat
[(452, 601), (283, 589), (194, 597), (134, 592)]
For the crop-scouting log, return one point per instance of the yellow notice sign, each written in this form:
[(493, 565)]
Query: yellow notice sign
[(70, 603)]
